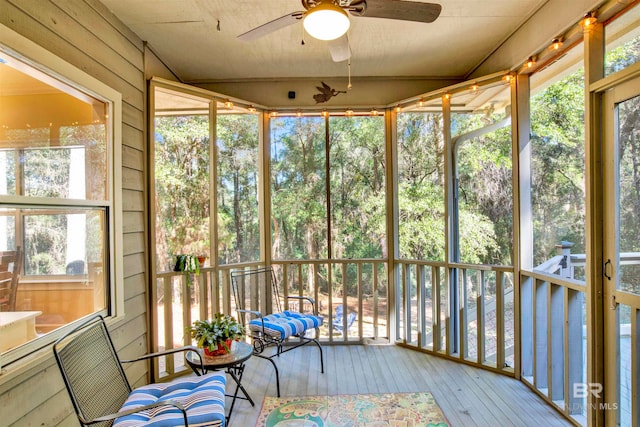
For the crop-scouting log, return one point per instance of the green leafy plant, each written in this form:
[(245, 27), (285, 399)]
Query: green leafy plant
[(220, 329), (187, 264)]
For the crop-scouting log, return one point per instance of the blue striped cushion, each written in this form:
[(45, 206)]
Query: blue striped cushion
[(285, 324), (202, 397)]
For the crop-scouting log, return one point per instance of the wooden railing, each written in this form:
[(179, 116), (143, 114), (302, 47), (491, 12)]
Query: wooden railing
[(553, 325), (360, 286), (550, 305), (554, 332), (483, 332)]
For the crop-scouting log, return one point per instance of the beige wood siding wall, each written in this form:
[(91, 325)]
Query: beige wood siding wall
[(85, 34)]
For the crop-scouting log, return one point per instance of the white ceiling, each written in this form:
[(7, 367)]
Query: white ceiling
[(183, 34)]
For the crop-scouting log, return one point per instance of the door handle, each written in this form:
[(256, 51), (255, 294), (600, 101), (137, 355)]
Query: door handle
[(613, 302), (604, 269)]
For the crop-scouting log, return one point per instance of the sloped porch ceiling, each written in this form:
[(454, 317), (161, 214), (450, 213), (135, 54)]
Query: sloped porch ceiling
[(391, 59)]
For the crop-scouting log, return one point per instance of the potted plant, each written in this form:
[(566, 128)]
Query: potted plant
[(201, 260), (215, 336), (187, 264)]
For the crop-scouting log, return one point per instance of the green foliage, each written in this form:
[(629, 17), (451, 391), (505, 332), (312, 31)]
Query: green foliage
[(421, 233), (485, 198), (182, 186), (557, 146), (298, 193), (45, 244), (421, 186), (629, 176), (237, 190), (210, 333), (188, 264), (622, 56), (357, 179)]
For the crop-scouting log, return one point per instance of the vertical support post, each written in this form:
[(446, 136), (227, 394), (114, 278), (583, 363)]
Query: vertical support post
[(375, 302), (360, 301), (168, 320), (421, 302), (594, 52), (345, 306), (435, 313), (463, 321), (213, 199), (186, 306), (480, 310), (451, 252), (540, 331), (522, 223), (574, 343), (500, 339), (635, 365), (392, 252), (264, 188), (557, 328)]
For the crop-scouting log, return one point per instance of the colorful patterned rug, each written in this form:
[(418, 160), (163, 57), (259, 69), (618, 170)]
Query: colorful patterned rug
[(362, 410)]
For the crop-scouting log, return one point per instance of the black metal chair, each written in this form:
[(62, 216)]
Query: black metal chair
[(102, 396), (274, 329)]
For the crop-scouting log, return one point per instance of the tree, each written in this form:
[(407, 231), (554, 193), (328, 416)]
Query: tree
[(182, 187), (237, 189), (558, 197)]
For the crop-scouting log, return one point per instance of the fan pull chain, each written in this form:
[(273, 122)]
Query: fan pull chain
[(302, 42), (349, 60)]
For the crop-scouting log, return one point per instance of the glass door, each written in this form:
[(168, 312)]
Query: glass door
[(622, 254)]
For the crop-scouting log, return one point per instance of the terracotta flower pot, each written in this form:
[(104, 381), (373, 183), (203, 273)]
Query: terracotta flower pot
[(220, 351)]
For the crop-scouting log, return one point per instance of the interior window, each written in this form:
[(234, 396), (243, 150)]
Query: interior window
[(54, 203)]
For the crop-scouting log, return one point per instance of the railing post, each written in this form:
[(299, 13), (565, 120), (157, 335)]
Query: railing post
[(564, 249)]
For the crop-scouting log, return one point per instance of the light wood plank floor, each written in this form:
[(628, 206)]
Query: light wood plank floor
[(468, 396)]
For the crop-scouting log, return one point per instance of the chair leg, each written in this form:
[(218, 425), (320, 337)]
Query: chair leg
[(321, 361), (274, 367)]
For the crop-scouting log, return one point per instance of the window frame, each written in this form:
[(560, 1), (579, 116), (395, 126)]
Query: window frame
[(54, 69)]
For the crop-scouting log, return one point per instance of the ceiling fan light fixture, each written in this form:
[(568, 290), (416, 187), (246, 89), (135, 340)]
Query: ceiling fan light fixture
[(327, 21)]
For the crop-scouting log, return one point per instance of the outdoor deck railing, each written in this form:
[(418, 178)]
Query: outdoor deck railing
[(485, 299), (359, 286), (553, 324), (551, 308)]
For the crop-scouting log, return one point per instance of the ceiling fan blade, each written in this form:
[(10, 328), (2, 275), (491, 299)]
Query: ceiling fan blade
[(270, 27), (340, 49), (402, 10)]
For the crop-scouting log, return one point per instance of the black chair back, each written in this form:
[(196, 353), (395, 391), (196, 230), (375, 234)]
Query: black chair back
[(91, 370)]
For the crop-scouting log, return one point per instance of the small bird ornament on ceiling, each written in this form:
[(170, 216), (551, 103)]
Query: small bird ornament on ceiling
[(326, 93)]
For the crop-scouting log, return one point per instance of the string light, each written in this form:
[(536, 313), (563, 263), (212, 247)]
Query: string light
[(252, 109), (299, 114), (589, 19), (397, 109), (374, 112), (556, 44), (507, 78), (349, 112), (228, 104), (447, 96), (325, 113), (274, 114), (531, 61), (421, 103), (474, 87)]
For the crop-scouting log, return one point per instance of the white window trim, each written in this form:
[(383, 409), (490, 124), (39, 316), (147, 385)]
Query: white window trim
[(29, 52)]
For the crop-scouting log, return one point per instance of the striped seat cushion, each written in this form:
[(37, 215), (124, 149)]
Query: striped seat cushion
[(202, 397), (285, 324)]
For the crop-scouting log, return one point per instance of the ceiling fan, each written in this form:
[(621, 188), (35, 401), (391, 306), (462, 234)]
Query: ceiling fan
[(329, 19)]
